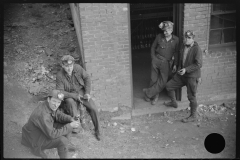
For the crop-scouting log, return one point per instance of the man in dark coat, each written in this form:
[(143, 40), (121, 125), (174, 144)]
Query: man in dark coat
[(49, 128), (189, 74), (163, 49), (75, 83)]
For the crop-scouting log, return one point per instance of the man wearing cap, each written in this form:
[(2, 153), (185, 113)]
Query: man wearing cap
[(49, 128), (164, 48), (189, 73), (75, 83)]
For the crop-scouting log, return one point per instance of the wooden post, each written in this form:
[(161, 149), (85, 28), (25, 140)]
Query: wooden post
[(77, 24)]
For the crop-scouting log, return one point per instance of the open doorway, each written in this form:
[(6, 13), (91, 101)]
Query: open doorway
[(145, 19)]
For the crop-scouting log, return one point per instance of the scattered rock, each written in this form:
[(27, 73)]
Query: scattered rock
[(5, 64), (133, 129), (48, 52), (115, 123), (170, 122)]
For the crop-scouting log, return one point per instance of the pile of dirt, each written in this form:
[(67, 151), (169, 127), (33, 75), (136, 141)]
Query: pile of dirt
[(34, 42)]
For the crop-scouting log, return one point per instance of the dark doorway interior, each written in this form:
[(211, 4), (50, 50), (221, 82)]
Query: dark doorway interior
[(145, 19)]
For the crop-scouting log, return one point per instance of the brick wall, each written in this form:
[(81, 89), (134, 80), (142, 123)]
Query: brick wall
[(106, 50), (219, 65)]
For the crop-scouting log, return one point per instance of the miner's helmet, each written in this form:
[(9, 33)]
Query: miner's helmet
[(57, 94), (189, 34), (67, 60), (166, 25)]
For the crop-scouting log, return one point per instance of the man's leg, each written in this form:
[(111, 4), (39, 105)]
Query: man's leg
[(94, 115), (154, 90), (191, 93), (60, 143), (171, 86), (71, 106)]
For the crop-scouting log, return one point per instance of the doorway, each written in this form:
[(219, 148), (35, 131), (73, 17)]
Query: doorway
[(145, 19)]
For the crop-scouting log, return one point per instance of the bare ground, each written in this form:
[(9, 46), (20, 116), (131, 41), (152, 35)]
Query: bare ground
[(155, 136)]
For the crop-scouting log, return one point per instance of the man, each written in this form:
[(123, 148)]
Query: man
[(163, 49), (49, 128), (189, 73), (75, 83)]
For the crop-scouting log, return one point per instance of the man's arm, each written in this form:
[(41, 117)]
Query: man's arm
[(87, 81), (45, 123), (154, 45), (62, 117), (197, 61), (176, 53)]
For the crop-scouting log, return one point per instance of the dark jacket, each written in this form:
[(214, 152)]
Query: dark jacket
[(165, 48), (39, 127), (193, 62), (82, 78)]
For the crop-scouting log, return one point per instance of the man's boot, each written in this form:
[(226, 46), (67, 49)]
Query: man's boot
[(155, 99), (145, 96), (98, 135), (193, 115), (173, 102)]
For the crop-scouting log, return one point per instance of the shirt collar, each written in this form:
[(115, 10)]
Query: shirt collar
[(173, 37)]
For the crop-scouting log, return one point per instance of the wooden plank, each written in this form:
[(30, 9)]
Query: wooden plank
[(77, 24)]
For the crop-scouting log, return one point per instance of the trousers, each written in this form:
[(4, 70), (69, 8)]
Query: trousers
[(160, 72), (72, 109), (179, 81), (60, 143)]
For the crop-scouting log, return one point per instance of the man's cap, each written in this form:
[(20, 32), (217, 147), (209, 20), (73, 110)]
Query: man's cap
[(67, 60), (166, 25), (56, 94), (189, 34)]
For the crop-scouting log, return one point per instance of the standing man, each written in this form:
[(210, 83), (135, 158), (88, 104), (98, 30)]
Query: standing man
[(189, 73), (75, 83), (49, 128), (163, 49)]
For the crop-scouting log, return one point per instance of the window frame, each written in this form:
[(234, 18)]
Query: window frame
[(221, 44)]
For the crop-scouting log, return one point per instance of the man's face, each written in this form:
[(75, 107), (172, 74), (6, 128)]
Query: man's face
[(188, 40), (167, 32), (68, 68), (54, 103)]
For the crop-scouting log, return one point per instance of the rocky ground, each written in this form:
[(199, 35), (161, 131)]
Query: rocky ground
[(35, 37)]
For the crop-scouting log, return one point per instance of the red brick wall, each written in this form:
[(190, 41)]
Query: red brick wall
[(107, 54), (219, 66)]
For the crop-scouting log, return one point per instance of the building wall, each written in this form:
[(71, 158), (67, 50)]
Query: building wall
[(107, 54), (219, 65)]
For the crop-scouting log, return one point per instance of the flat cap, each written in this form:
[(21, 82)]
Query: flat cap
[(189, 34), (56, 94), (166, 25), (67, 60)]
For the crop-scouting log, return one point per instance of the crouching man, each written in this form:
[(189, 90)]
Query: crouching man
[(49, 128), (189, 74)]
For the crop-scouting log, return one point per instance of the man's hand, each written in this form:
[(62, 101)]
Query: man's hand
[(182, 71), (174, 69), (75, 124), (87, 96)]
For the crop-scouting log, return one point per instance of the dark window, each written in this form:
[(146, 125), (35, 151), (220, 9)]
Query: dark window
[(223, 24)]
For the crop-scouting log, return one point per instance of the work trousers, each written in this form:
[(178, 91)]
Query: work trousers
[(160, 72), (179, 81), (60, 143), (71, 108)]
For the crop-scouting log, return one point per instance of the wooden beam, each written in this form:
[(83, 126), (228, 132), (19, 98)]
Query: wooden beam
[(77, 24)]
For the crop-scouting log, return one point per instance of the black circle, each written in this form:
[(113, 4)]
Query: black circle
[(214, 143)]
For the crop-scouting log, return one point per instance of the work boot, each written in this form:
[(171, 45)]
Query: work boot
[(72, 147), (98, 136), (145, 95), (154, 101), (192, 117), (171, 104)]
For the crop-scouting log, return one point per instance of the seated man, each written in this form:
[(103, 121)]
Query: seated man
[(49, 128), (75, 83)]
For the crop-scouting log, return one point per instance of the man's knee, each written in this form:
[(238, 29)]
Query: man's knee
[(63, 141), (70, 101)]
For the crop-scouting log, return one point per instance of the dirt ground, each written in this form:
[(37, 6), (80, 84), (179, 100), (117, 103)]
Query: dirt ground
[(159, 135)]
